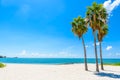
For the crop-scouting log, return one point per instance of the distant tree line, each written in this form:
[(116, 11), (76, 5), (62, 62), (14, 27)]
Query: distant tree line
[(2, 56)]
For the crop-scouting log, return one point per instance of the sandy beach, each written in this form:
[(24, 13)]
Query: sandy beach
[(57, 72)]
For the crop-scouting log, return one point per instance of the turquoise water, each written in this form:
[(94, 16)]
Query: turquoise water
[(53, 60)]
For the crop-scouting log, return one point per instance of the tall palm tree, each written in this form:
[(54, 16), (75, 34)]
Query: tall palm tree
[(79, 28), (96, 17), (102, 29), (101, 34), (92, 17)]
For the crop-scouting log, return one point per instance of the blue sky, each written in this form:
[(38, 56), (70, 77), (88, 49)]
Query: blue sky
[(41, 28)]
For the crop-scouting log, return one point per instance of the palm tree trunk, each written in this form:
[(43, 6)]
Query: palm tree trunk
[(96, 56), (101, 60), (85, 56)]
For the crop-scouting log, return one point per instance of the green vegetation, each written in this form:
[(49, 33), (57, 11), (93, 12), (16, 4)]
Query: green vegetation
[(79, 28), (113, 64), (96, 19), (2, 65), (96, 16)]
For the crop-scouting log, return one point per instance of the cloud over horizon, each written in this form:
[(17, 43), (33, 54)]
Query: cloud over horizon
[(109, 48), (65, 53)]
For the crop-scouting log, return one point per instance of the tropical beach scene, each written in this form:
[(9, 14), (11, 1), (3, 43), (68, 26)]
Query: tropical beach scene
[(59, 40)]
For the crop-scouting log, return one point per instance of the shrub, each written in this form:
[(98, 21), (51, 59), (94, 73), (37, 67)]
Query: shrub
[(2, 65), (113, 64)]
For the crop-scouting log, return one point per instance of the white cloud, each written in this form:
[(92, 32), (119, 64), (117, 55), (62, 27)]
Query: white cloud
[(110, 6), (96, 44), (109, 48), (86, 46), (23, 53), (50, 55), (66, 53)]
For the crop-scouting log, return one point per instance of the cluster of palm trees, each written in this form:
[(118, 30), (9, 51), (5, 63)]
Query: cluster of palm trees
[(96, 18)]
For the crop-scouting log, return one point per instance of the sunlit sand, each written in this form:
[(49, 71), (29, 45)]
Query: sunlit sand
[(57, 72)]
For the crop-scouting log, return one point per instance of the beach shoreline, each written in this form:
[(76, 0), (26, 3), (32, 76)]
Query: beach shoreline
[(57, 72)]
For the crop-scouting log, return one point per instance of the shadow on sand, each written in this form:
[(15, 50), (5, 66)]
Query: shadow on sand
[(112, 71), (111, 75)]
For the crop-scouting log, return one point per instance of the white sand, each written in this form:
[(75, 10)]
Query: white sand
[(57, 72)]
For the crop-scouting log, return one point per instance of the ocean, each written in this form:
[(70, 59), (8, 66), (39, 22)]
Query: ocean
[(53, 60)]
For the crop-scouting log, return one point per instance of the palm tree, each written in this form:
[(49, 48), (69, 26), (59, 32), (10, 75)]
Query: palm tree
[(101, 34), (96, 17), (102, 29), (92, 17), (79, 28)]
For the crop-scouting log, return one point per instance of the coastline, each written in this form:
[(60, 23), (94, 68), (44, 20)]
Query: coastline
[(57, 72)]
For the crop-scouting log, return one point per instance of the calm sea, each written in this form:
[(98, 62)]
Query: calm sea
[(53, 60)]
